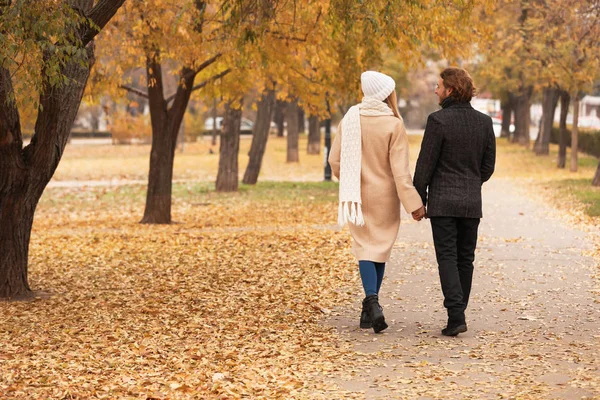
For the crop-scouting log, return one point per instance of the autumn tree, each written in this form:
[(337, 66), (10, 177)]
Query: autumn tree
[(556, 45), (574, 51), (505, 64), (565, 37), (45, 60), (187, 35)]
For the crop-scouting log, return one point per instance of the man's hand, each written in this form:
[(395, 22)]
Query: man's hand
[(419, 214)]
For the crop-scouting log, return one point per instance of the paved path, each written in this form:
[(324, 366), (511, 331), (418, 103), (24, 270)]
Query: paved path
[(534, 315)]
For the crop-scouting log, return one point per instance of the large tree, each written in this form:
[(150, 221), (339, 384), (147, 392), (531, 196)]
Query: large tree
[(186, 37), (53, 41), (552, 46)]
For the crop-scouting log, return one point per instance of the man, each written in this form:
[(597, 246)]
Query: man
[(457, 155)]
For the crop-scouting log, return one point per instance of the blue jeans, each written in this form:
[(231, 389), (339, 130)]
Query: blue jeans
[(371, 274)]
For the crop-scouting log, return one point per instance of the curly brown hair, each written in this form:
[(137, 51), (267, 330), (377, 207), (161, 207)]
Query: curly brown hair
[(461, 83)]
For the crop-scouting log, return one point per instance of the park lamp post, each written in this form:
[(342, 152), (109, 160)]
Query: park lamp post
[(327, 143)]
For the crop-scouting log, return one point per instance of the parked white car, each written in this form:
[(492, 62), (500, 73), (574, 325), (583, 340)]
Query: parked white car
[(246, 126), (589, 122)]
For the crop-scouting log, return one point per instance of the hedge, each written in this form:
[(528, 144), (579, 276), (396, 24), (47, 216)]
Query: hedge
[(77, 134), (589, 141)]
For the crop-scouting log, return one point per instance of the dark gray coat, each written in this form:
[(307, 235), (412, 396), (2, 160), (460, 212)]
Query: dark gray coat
[(457, 155)]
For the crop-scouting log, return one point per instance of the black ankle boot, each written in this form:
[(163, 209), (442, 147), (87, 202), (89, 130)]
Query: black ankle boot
[(457, 324), (365, 321), (454, 330), (375, 313)]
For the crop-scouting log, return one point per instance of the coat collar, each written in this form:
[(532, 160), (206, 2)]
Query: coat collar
[(452, 102)]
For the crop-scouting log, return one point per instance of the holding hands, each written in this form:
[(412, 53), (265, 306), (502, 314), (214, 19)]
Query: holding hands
[(419, 214)]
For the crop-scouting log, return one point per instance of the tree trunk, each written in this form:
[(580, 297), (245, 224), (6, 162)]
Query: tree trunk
[(181, 136), (523, 117), (25, 172), (565, 99), (301, 123), (214, 129), (260, 135), (160, 177), (16, 218), (293, 154), (314, 135), (279, 117), (575, 133), (166, 123), (227, 177), (507, 109), (15, 223), (549, 102), (596, 180)]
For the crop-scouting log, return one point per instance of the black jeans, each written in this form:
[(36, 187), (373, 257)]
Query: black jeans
[(455, 240)]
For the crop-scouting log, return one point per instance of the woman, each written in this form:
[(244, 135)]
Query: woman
[(370, 158)]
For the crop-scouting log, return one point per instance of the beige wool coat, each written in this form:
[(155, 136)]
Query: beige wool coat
[(385, 184)]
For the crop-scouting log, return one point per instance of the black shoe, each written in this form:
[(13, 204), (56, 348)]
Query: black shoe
[(365, 321), (454, 330), (375, 313)]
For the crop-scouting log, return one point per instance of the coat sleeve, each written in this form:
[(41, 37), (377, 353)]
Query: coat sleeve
[(431, 147), (399, 161), (489, 156), (335, 152)]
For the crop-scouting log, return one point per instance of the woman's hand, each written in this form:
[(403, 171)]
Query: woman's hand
[(419, 214)]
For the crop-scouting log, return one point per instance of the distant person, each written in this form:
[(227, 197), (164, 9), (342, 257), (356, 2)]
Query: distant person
[(370, 158), (457, 155)]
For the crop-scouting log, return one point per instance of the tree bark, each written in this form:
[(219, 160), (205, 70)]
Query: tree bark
[(165, 129), (549, 102), (507, 109), (279, 117), (575, 133), (260, 136), (565, 99), (214, 129), (293, 154), (314, 135), (227, 177), (25, 172), (16, 206), (523, 116), (596, 180), (14, 241), (301, 123)]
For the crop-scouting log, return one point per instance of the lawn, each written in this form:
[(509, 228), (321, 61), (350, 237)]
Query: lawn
[(569, 191)]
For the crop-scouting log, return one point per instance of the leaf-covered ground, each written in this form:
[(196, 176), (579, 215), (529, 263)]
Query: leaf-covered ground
[(224, 305), (237, 298)]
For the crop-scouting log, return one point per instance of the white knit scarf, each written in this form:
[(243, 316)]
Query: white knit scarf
[(350, 206)]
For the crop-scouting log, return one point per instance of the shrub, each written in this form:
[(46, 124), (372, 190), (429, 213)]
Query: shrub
[(126, 128), (589, 140)]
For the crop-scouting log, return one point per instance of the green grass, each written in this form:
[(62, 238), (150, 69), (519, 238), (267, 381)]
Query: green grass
[(297, 191), (583, 192), (586, 161), (193, 192), (516, 162)]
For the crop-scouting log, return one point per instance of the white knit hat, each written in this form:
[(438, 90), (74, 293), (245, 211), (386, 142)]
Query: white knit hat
[(377, 85)]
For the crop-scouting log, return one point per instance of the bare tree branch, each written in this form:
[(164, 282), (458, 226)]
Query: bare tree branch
[(201, 85), (208, 62), (133, 90)]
